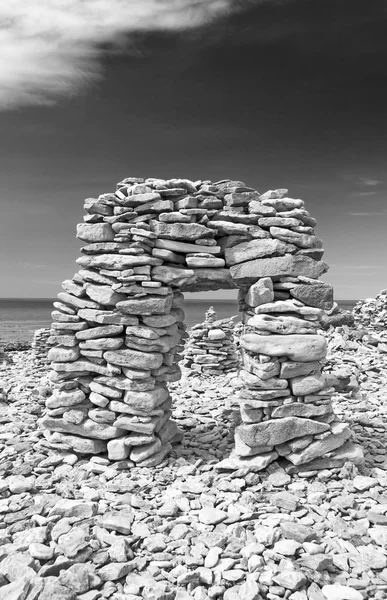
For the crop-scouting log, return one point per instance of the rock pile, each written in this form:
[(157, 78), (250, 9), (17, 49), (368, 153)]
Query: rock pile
[(337, 317), (40, 345), (372, 312), (118, 325), (78, 528), (210, 349)]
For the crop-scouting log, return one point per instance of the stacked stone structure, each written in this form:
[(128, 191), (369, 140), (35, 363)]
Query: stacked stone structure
[(41, 346), (210, 349), (118, 324)]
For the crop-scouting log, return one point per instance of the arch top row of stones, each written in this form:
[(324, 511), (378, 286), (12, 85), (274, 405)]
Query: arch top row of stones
[(118, 326)]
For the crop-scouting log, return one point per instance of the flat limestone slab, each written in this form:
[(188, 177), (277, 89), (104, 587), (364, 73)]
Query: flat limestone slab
[(300, 409), (279, 266), (117, 261), (319, 448), (87, 429), (134, 358), (76, 443), (185, 247), (180, 231), (319, 294), (303, 348), (84, 366), (282, 324), (349, 452), (95, 232), (108, 317), (194, 280), (252, 463), (257, 249), (278, 431), (149, 305)]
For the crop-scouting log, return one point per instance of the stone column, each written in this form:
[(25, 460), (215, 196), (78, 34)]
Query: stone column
[(285, 400)]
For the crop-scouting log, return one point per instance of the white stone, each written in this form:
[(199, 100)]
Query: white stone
[(341, 592)]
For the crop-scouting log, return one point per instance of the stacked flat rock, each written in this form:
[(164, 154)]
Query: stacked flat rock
[(372, 312), (210, 348), (40, 345), (118, 325)]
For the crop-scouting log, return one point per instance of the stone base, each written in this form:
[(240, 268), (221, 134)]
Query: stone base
[(349, 452)]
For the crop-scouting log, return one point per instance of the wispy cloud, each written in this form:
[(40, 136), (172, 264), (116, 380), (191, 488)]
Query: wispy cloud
[(51, 48), (369, 181), (28, 265), (336, 266), (363, 194), (367, 214)]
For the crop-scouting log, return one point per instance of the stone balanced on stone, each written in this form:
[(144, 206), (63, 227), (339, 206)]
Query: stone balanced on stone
[(210, 349), (117, 326)]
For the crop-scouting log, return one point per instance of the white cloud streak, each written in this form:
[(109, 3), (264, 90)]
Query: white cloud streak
[(51, 48), (336, 266), (369, 181), (367, 214)]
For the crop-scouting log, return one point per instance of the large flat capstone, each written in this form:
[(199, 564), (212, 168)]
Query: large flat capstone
[(257, 249), (278, 266)]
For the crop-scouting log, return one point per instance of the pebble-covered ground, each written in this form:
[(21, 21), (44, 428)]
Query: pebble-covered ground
[(74, 528)]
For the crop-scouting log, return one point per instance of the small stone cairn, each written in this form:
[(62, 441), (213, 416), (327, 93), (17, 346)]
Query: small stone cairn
[(118, 325), (210, 349), (40, 346)]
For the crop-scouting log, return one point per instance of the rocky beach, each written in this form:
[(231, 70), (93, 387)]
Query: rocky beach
[(76, 527), (234, 461)]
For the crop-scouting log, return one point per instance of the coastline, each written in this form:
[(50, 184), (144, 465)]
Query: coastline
[(20, 318)]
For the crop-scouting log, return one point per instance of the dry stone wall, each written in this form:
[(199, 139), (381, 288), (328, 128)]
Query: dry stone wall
[(118, 325)]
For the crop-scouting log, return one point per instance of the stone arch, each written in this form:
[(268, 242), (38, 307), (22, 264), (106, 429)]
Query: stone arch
[(117, 325)]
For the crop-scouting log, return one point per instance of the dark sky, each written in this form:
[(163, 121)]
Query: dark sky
[(284, 94)]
